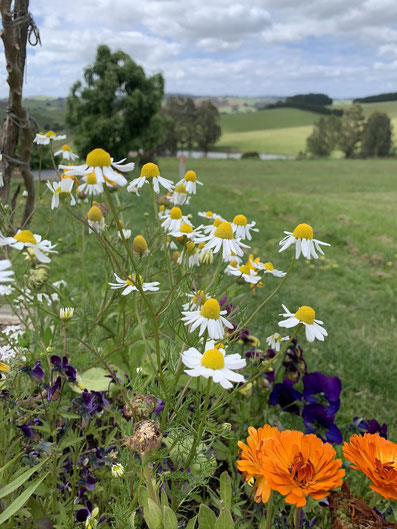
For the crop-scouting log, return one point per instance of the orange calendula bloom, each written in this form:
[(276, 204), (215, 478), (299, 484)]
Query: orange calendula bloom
[(299, 465), (251, 456), (376, 457)]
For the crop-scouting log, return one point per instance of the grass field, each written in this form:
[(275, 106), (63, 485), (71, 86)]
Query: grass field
[(351, 204)]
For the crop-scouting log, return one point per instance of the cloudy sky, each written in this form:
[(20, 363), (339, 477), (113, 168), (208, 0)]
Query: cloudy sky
[(216, 47)]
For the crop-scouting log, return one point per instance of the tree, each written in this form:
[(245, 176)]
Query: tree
[(116, 106), (181, 115), (18, 128), (351, 131), (208, 130), (324, 138), (377, 135)]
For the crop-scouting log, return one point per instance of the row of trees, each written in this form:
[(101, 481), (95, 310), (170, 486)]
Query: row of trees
[(120, 109), (352, 134)]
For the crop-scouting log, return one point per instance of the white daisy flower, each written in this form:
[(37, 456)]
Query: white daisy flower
[(66, 313), (267, 268), (302, 237), (91, 186), (48, 298), (6, 272), (117, 470), (206, 257), (305, 315), (174, 220), (274, 341), (242, 228), (105, 169), (214, 363), (44, 139), (190, 253), (6, 290), (60, 283), (209, 215), (95, 219), (197, 299), (129, 284), (190, 181), (223, 238), (126, 233), (12, 331), (210, 228), (150, 172), (186, 230), (210, 318), (66, 152), (26, 239), (179, 197), (61, 189), (244, 272)]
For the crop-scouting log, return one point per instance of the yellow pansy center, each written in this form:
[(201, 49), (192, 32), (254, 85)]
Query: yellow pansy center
[(98, 158), (213, 359), (4, 367), (305, 314), (303, 231), (25, 236), (91, 179), (217, 222), (268, 266), (186, 228), (180, 189), (139, 245), (211, 309), (199, 298), (176, 213), (66, 148), (150, 170), (240, 220), (95, 214), (244, 269), (50, 134), (190, 176), (224, 231), (209, 214)]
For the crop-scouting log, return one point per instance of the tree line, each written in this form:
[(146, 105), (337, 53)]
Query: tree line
[(352, 134)]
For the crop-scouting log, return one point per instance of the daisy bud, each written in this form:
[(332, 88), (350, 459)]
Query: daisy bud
[(95, 214), (175, 256), (139, 245), (66, 313)]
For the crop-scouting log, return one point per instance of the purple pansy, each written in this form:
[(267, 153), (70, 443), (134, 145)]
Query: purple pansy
[(62, 366), (36, 372), (53, 390), (320, 389), (370, 426), (286, 396), (318, 421)]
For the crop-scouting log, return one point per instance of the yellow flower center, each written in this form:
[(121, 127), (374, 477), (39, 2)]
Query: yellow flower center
[(240, 220), (201, 245), (66, 148), (303, 231), (224, 231), (305, 314), (268, 266), (4, 367), (217, 222), (98, 158), (200, 298), (139, 245), (95, 214), (234, 263), (150, 170), (25, 236), (191, 247), (190, 176), (211, 309), (180, 189), (213, 359), (50, 134), (208, 213), (132, 281), (244, 269), (176, 213), (91, 179), (186, 228)]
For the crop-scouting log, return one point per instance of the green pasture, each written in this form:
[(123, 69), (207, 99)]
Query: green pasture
[(350, 204)]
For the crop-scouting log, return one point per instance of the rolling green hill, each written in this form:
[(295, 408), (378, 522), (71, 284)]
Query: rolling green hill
[(49, 112)]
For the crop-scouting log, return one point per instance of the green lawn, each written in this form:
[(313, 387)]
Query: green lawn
[(350, 204)]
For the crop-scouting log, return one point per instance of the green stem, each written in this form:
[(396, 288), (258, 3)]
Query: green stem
[(297, 517), (148, 478), (269, 512), (147, 348)]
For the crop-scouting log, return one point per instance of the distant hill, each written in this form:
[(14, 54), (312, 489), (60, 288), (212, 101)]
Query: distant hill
[(390, 96), (49, 112)]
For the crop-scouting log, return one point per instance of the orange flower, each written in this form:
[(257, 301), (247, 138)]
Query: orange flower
[(376, 457), (298, 465), (251, 457)]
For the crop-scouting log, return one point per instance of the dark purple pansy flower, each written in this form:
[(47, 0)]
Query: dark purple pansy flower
[(320, 389), (294, 363), (228, 307), (286, 396), (89, 403), (370, 426), (61, 365), (36, 372), (159, 408), (318, 421), (82, 515), (54, 389), (87, 481)]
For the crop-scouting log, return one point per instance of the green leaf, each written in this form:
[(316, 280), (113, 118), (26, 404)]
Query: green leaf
[(132, 520), (20, 480), (152, 514), (225, 521), (94, 379), (143, 496), (226, 490), (206, 518), (192, 523), (2, 469), (164, 499), (20, 501), (170, 521)]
